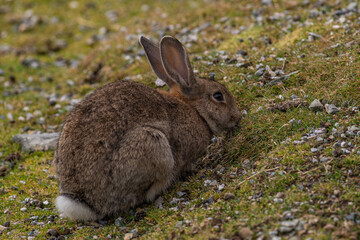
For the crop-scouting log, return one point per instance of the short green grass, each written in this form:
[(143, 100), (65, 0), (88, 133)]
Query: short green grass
[(307, 189)]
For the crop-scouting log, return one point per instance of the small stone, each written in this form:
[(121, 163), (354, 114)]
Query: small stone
[(179, 224), (314, 13), (10, 117), (23, 209), (221, 187), (352, 6), (329, 227), (316, 106), (52, 232), (314, 150), (353, 128), (331, 108), (129, 236), (280, 195), (337, 192), (159, 82), (324, 159), (314, 35), (229, 196), (260, 72), (2, 229), (180, 193), (245, 233), (29, 116), (278, 200)]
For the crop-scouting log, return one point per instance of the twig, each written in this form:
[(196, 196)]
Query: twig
[(284, 62), (252, 176)]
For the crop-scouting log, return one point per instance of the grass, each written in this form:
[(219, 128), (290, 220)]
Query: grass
[(265, 164)]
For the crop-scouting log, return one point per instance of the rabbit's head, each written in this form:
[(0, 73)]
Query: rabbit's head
[(214, 103)]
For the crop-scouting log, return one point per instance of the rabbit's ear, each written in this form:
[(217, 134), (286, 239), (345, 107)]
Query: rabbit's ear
[(153, 55), (177, 65)]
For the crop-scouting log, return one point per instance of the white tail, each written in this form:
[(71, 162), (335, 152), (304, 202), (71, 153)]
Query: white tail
[(74, 210)]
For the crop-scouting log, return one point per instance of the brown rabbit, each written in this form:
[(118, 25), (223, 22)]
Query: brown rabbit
[(126, 142)]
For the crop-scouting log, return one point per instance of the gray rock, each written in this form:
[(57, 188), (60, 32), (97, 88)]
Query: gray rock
[(266, 2), (314, 35), (324, 159), (353, 128), (179, 224), (352, 7), (259, 72), (37, 142), (159, 82), (180, 193), (314, 13), (316, 106), (314, 150), (331, 108)]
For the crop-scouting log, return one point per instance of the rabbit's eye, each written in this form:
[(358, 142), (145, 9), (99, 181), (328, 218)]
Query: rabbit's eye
[(218, 96)]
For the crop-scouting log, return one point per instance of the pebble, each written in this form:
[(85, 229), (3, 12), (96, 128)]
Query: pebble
[(245, 233), (159, 82), (260, 72), (288, 226), (210, 183), (129, 236), (23, 209), (278, 200), (352, 7), (229, 196), (316, 106), (324, 159), (180, 194), (331, 108), (314, 150), (179, 224), (10, 117), (314, 35), (279, 195)]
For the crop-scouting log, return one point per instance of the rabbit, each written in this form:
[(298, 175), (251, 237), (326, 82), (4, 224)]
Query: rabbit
[(125, 143)]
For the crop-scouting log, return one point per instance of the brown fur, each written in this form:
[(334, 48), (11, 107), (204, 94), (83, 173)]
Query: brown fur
[(126, 142)]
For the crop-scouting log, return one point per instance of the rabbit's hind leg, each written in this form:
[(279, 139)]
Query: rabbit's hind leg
[(162, 160), (151, 162)]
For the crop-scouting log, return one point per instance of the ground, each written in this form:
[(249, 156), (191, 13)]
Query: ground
[(291, 171)]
